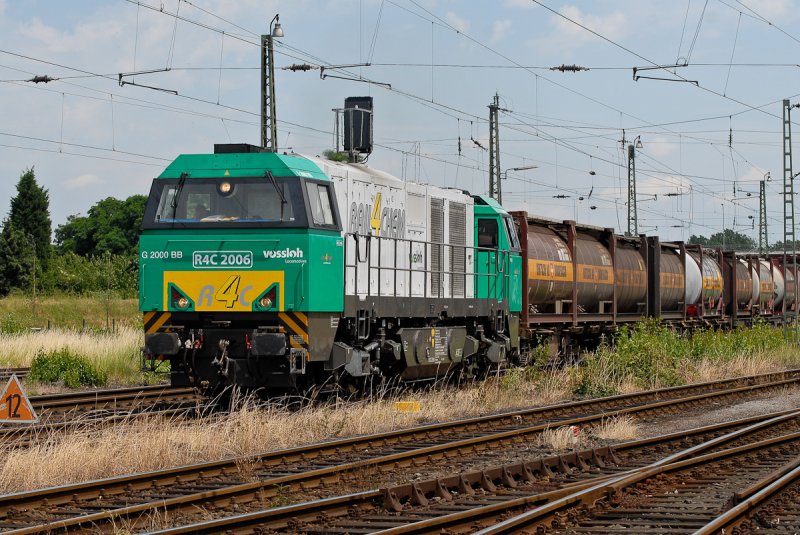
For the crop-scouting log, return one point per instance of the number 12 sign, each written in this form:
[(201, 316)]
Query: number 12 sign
[(15, 407)]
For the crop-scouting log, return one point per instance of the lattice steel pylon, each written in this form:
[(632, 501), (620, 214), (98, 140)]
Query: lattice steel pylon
[(790, 331), (495, 189), (633, 216), (763, 237), (269, 122)]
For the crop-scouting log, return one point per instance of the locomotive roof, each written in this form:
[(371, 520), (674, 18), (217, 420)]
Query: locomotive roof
[(253, 164)]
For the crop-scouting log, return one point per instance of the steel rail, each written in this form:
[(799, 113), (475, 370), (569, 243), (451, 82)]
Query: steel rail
[(6, 373), (103, 399), (268, 487), (611, 489), (78, 410), (21, 436), (285, 517), (750, 500)]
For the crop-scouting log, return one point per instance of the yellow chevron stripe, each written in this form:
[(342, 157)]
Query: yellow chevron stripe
[(159, 322), (302, 317), (148, 316), (293, 326)]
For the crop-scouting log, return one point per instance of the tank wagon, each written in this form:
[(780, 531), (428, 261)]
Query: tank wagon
[(284, 272)]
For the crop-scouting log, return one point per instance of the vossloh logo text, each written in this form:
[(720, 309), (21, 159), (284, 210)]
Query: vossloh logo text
[(284, 253)]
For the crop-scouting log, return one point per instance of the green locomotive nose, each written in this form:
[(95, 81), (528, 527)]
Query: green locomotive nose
[(237, 250)]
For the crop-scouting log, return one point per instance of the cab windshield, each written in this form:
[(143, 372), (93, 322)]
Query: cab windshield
[(224, 203)]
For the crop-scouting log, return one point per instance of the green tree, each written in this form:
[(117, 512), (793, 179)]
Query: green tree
[(30, 214), (16, 259), (728, 239), (110, 227), (698, 240)]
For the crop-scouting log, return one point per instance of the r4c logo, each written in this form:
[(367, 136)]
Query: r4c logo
[(229, 293)]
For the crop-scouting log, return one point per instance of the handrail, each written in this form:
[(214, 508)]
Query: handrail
[(442, 279)]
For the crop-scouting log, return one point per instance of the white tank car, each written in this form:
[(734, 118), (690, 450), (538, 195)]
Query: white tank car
[(694, 281), (402, 238), (774, 292)]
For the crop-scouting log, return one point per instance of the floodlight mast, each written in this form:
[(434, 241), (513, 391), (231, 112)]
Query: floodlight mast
[(269, 122)]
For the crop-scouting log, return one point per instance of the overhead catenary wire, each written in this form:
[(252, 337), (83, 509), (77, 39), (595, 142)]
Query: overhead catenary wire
[(417, 150)]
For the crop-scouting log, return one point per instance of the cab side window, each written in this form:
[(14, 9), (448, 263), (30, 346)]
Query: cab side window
[(511, 231), (487, 233), (320, 199)]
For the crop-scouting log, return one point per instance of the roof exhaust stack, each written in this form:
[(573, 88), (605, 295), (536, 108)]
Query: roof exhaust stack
[(354, 123)]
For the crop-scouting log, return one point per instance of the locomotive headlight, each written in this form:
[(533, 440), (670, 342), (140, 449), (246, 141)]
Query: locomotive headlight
[(265, 302), (225, 188), (182, 302)]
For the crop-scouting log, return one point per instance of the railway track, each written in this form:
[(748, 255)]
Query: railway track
[(769, 506), (90, 409), (685, 496), (110, 400), (6, 373), (461, 502), (256, 480)]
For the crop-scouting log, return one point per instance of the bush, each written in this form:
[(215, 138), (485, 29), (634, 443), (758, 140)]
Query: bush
[(650, 354), (13, 323), (514, 378), (64, 366), (112, 275)]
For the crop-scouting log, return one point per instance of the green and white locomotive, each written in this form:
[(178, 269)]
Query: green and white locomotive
[(281, 272)]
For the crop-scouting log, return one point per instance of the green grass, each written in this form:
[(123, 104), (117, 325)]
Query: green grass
[(20, 313), (114, 354), (650, 355), (62, 365)]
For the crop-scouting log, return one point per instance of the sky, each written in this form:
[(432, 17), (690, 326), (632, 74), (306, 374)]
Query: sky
[(710, 129)]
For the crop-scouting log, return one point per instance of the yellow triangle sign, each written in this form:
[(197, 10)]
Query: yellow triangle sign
[(15, 407), (226, 173)]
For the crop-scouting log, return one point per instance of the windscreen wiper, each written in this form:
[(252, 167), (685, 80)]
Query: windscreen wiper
[(174, 202), (268, 174)]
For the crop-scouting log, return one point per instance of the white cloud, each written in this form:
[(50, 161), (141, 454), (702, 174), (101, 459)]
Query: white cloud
[(85, 36), (83, 181), (567, 34), (772, 8), (462, 25), (499, 28), (659, 185), (659, 147), (753, 174)]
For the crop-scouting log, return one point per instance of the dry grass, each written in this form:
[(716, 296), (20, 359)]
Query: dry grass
[(561, 438), (115, 354), (155, 443), (713, 370), (617, 428)]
